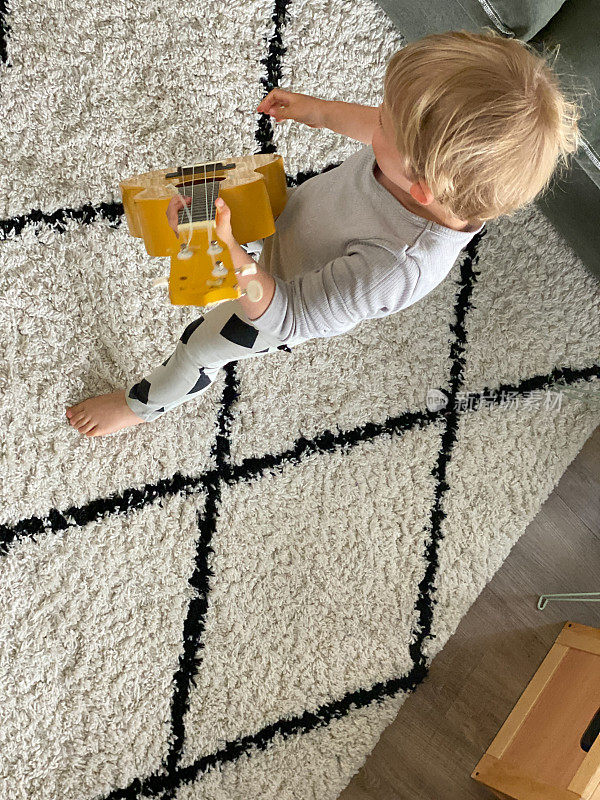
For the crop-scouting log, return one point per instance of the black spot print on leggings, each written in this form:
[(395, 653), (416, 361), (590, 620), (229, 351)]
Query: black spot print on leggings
[(185, 336), (139, 391)]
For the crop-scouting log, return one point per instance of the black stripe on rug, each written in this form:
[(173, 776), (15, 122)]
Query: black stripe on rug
[(86, 214), (425, 600), (193, 628), (273, 72), (4, 31)]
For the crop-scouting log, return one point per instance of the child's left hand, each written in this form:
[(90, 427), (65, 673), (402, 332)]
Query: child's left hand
[(223, 222)]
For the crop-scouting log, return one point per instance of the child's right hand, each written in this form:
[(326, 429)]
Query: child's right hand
[(176, 203), (281, 104)]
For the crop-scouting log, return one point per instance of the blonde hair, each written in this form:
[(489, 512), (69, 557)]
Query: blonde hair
[(480, 118)]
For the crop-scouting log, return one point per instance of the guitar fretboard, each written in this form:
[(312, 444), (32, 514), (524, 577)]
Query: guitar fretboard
[(202, 207), (203, 189)]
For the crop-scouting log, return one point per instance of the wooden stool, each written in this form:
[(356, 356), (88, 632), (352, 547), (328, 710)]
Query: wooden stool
[(548, 747)]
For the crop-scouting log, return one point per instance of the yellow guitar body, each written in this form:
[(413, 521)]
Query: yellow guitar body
[(201, 273)]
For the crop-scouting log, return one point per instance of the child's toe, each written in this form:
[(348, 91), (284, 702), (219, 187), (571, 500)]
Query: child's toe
[(86, 426)]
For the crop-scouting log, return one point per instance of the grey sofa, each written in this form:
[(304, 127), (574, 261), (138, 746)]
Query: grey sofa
[(572, 203)]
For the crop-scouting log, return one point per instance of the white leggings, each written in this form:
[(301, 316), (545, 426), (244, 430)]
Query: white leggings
[(224, 334)]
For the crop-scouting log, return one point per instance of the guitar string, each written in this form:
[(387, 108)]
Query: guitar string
[(212, 196), (207, 213), (206, 200), (186, 209)]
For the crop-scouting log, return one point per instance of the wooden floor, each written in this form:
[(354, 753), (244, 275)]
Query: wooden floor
[(444, 728)]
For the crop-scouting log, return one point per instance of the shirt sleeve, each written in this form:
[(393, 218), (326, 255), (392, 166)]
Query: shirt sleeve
[(369, 281)]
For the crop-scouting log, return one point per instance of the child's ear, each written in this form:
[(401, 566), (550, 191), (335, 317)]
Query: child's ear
[(421, 192)]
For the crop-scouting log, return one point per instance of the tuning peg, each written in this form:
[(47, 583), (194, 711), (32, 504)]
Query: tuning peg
[(214, 248), (184, 253), (219, 270)]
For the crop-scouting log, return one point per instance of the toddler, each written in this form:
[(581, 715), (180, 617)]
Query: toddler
[(471, 127)]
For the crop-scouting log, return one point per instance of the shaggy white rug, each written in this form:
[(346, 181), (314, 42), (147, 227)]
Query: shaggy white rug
[(233, 602)]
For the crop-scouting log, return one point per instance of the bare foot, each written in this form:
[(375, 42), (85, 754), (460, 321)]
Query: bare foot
[(103, 414)]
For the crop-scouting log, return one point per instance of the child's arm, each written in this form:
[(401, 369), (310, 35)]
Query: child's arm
[(349, 119), (240, 259)]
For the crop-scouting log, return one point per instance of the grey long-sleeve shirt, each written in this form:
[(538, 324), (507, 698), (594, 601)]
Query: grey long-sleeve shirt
[(345, 250)]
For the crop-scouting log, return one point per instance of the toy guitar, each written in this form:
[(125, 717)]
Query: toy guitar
[(202, 272)]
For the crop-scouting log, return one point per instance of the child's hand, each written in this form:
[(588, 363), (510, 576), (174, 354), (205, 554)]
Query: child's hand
[(281, 104), (223, 222), (176, 203)]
